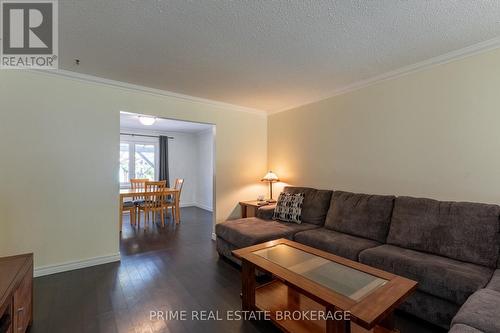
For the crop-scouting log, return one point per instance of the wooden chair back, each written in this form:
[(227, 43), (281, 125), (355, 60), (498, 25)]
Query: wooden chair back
[(153, 201), (179, 182), (138, 184)]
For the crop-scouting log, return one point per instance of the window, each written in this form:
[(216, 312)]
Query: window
[(137, 160), (144, 161)]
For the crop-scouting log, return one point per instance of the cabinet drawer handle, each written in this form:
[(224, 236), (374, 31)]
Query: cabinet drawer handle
[(19, 310)]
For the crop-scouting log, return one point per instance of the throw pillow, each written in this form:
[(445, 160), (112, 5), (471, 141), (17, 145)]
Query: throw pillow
[(289, 207)]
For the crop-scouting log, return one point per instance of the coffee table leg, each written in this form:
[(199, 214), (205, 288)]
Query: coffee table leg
[(337, 326), (248, 286), (388, 322)]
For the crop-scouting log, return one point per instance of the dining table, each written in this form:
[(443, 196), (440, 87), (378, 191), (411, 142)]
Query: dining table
[(142, 193)]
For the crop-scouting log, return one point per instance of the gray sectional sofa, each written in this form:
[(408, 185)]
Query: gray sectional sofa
[(450, 248)]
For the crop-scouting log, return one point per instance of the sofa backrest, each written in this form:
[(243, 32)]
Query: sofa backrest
[(315, 205), (362, 215), (459, 230)]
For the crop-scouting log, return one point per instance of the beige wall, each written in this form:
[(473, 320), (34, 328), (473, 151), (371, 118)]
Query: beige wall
[(59, 162), (434, 133)]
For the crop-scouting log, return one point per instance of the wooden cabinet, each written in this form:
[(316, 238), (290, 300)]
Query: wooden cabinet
[(22, 304), (16, 293), (6, 320)]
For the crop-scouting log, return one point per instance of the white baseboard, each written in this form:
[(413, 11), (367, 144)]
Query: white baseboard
[(205, 207), (194, 204), (72, 265)]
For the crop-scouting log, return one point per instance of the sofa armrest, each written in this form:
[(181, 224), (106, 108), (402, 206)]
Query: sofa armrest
[(265, 212)]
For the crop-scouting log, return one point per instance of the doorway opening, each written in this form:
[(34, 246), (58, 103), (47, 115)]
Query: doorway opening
[(155, 149)]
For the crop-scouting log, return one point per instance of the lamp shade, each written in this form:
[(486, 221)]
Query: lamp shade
[(270, 177)]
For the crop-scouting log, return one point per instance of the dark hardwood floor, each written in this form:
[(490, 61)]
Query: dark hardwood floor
[(176, 268)]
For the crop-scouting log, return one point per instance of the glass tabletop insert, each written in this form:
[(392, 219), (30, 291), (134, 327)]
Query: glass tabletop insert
[(340, 278)]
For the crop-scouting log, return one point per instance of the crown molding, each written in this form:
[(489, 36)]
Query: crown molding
[(465, 52), (143, 89)]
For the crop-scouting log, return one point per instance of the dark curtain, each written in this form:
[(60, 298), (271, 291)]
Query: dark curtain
[(164, 159)]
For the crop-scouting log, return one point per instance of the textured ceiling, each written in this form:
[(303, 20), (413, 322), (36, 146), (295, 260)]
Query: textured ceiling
[(268, 55)]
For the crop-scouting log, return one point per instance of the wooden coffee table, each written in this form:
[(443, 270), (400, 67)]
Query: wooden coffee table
[(309, 282)]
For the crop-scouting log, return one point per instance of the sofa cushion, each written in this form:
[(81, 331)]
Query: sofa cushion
[(460, 328), (315, 205), (430, 308), (439, 276), (459, 230), (363, 215), (494, 283), (337, 243), (481, 311), (252, 230)]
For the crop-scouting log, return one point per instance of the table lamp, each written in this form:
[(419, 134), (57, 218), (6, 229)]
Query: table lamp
[(271, 178)]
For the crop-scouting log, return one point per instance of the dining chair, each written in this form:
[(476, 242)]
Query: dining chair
[(153, 203), (137, 184), (170, 202), (130, 207)]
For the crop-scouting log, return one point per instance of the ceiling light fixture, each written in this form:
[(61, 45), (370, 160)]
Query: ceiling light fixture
[(147, 121)]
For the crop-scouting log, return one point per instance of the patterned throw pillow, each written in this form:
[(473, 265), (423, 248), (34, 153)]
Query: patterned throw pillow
[(289, 207)]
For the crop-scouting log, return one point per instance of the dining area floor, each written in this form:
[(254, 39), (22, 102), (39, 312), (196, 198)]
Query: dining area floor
[(136, 240), (173, 268)]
